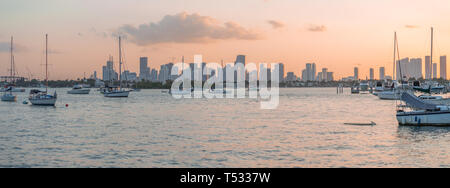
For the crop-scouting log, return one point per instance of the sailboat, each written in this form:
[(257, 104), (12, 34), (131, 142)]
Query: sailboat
[(118, 92), (398, 87), (42, 98), (8, 96), (419, 111)]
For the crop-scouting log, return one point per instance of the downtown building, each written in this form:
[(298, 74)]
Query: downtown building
[(108, 71), (382, 73), (409, 68), (309, 73), (144, 70), (443, 67)]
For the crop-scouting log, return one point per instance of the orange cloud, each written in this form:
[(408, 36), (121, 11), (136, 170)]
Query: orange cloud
[(187, 28), (411, 26), (317, 28), (275, 24)]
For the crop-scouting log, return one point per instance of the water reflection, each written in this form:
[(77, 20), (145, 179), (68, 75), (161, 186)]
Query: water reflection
[(151, 129)]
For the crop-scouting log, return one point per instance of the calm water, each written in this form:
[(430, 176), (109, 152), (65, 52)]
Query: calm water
[(151, 129)]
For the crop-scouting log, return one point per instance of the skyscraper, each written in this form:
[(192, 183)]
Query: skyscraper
[(382, 73), (308, 72), (356, 73), (324, 74), (372, 76), (144, 71), (281, 67), (443, 67), (330, 76), (320, 77), (304, 75), (402, 67), (416, 68), (434, 70), (428, 68), (314, 71), (240, 59), (108, 71), (291, 77)]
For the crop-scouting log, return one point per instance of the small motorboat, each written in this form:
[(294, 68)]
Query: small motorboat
[(79, 90)]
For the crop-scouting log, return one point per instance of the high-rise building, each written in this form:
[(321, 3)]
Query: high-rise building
[(128, 76), (320, 77), (372, 74), (108, 71), (165, 73), (402, 67), (144, 70), (428, 67), (281, 75), (409, 68), (330, 76), (434, 70), (324, 74), (240, 59), (304, 75), (356, 73), (308, 72), (382, 73), (443, 67), (263, 73), (313, 73), (415, 68), (154, 75), (291, 77)]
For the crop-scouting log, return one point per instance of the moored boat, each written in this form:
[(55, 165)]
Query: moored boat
[(79, 89), (8, 96), (42, 98), (117, 92)]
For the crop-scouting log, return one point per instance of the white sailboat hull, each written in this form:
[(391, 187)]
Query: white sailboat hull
[(79, 91), (43, 102), (117, 94), (9, 98), (388, 95), (15, 90), (422, 118)]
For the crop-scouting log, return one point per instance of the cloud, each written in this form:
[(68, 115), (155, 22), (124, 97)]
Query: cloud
[(187, 28), (317, 28), (6, 47), (411, 26), (275, 24), (97, 33)]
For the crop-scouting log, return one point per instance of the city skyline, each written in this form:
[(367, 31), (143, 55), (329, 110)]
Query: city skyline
[(335, 38)]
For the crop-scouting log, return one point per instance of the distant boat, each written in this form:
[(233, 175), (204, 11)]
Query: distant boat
[(13, 89), (364, 86), (355, 89), (395, 93), (429, 87), (8, 95), (42, 98), (79, 89), (119, 91)]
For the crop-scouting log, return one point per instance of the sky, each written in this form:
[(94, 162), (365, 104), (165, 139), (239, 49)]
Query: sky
[(335, 34)]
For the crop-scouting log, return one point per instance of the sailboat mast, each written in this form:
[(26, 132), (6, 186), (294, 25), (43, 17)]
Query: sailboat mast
[(395, 48), (120, 62), (46, 62), (11, 70), (431, 55)]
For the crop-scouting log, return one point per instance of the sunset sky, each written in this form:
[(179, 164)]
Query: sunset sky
[(336, 34)]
